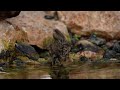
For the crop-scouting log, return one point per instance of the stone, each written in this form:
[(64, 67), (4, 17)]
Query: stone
[(109, 45), (87, 45), (105, 23), (30, 27), (116, 47), (8, 14), (18, 62), (51, 15), (39, 30), (27, 50), (109, 54), (83, 59), (96, 40), (9, 34), (90, 51), (90, 55)]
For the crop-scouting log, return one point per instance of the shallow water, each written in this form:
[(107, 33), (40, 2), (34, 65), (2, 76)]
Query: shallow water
[(25, 73), (75, 72)]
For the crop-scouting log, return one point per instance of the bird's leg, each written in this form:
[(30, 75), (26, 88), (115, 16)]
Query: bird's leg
[(58, 62)]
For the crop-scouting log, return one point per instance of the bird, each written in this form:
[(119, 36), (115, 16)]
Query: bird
[(8, 14), (27, 50), (60, 48)]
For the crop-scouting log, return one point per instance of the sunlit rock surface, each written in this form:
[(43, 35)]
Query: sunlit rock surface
[(105, 23)]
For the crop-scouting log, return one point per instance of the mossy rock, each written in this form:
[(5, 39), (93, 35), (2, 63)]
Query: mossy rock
[(42, 60), (68, 38), (8, 45), (47, 41)]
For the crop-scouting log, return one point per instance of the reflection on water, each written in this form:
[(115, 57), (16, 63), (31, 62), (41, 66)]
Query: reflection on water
[(25, 73), (45, 77), (59, 72), (56, 72)]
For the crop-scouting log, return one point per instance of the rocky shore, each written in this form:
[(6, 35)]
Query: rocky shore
[(88, 36)]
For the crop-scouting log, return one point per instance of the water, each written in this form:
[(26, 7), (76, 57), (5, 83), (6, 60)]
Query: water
[(25, 73), (59, 72), (35, 72)]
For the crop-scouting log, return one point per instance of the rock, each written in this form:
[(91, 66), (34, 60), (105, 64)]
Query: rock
[(32, 63), (74, 57), (30, 27), (3, 54), (87, 45), (89, 50), (27, 50), (18, 62), (38, 30), (51, 15), (109, 45), (117, 56), (77, 48), (9, 34), (83, 59), (113, 59), (43, 53), (96, 40), (109, 54), (89, 55), (75, 38), (3, 64), (105, 23), (116, 47), (8, 14), (1, 69)]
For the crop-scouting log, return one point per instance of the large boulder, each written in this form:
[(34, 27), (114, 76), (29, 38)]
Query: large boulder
[(9, 34), (30, 27), (105, 23), (38, 29)]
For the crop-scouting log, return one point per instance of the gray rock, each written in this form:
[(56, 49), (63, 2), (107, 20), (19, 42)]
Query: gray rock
[(109, 54), (87, 45), (116, 47), (27, 50), (8, 14), (97, 40)]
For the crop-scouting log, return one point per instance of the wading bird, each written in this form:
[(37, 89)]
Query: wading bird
[(60, 48)]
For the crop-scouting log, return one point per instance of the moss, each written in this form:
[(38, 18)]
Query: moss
[(47, 41), (8, 45), (68, 38), (77, 37), (44, 54), (42, 61)]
